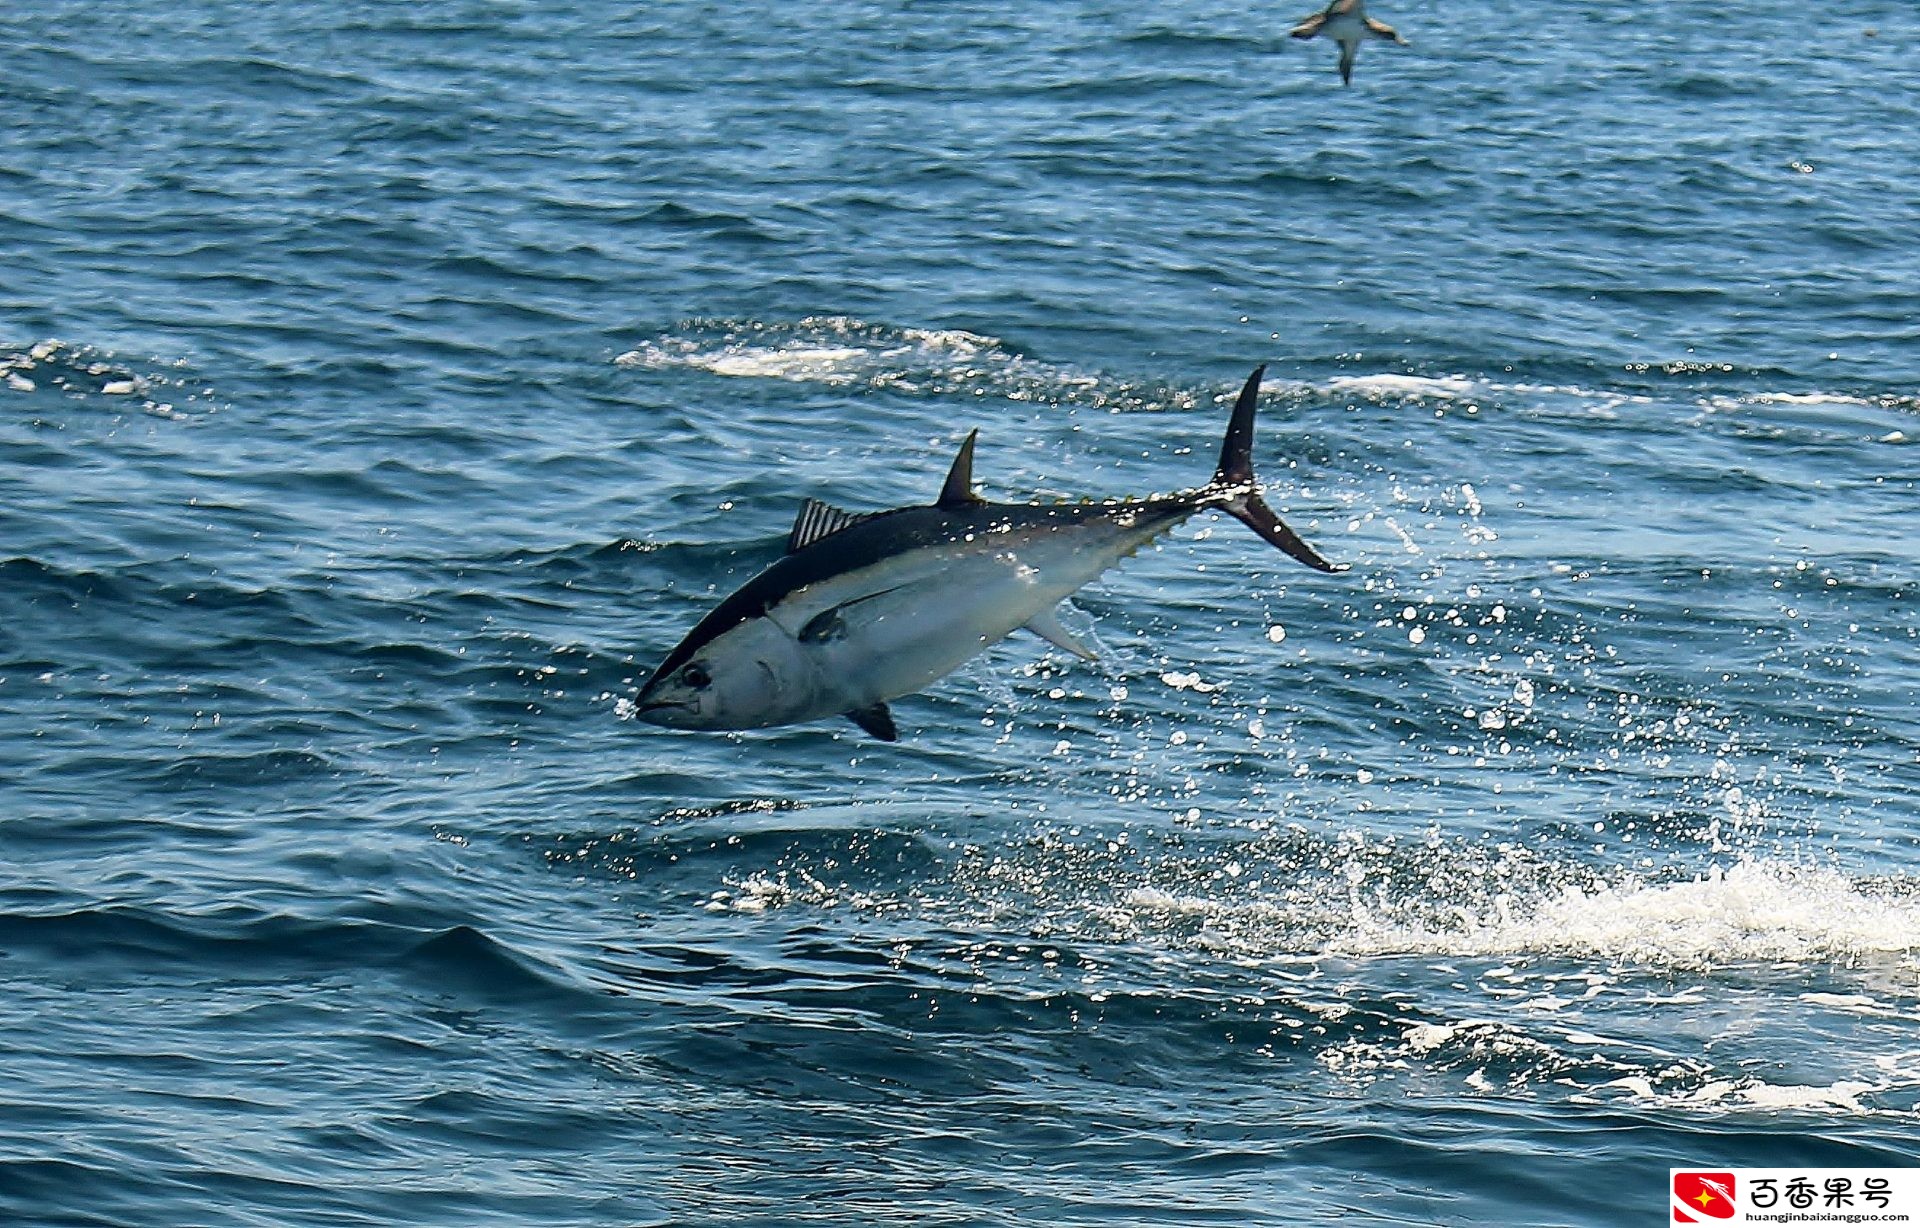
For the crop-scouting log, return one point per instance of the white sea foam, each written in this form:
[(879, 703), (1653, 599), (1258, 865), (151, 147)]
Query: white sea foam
[(1390, 385), (828, 364), (1451, 387), (835, 350), (1462, 392), (1752, 912), (1790, 398), (841, 351), (1843, 1094)]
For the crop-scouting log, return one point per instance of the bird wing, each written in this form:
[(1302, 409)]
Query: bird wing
[(1380, 29)]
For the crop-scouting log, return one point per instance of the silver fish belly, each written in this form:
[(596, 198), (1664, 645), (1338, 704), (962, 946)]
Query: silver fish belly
[(894, 628)]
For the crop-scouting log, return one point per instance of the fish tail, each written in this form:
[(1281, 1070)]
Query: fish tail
[(1235, 488)]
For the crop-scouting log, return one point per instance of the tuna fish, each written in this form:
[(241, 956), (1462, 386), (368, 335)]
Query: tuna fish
[(866, 607)]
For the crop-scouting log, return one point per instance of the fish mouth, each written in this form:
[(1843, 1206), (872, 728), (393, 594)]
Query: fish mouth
[(654, 711)]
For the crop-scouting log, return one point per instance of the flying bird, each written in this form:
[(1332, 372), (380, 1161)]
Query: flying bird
[(1346, 22), (866, 607)]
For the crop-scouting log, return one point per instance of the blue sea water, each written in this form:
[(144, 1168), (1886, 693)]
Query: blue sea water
[(385, 388)]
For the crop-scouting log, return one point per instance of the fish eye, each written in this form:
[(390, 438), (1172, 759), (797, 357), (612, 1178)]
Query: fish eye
[(696, 676)]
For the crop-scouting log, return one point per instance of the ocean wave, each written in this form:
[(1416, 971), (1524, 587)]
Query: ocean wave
[(845, 352), (840, 351), (140, 941)]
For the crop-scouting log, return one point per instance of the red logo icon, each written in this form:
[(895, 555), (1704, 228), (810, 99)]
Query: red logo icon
[(1700, 1197)]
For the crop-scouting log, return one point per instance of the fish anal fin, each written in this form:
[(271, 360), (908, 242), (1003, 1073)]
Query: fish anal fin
[(1046, 624), (819, 520), (958, 490), (876, 720)]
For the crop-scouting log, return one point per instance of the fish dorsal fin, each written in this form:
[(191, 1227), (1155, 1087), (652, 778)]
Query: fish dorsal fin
[(817, 520), (959, 488), (876, 720)]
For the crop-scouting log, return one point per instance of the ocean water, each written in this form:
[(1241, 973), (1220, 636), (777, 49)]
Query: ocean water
[(385, 388)]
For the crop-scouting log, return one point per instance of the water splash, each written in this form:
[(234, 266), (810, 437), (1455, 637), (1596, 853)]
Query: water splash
[(54, 372)]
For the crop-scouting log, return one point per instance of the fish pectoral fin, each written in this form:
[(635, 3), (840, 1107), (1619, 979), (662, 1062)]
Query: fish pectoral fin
[(1046, 625), (876, 720), (1311, 26), (824, 626), (831, 623)]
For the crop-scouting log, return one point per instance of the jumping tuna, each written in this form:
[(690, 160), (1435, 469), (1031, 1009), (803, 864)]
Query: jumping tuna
[(864, 608)]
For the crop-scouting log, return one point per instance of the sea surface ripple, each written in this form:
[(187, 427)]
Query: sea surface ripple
[(385, 388)]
